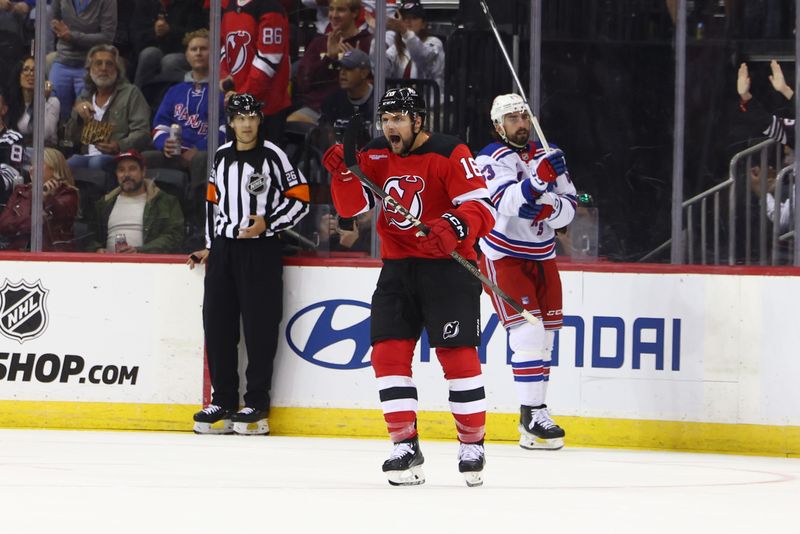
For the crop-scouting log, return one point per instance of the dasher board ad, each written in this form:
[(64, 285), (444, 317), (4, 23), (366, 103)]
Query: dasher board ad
[(100, 332), (676, 347)]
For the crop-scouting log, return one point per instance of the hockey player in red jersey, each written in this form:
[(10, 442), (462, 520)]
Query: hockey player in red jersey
[(436, 179), (255, 57), (534, 195)]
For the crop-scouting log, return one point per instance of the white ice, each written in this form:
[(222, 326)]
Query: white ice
[(56, 482)]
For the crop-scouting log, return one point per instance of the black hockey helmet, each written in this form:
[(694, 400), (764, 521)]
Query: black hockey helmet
[(402, 99), (243, 104)]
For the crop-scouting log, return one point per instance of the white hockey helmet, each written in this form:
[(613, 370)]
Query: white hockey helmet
[(502, 106), (505, 104)]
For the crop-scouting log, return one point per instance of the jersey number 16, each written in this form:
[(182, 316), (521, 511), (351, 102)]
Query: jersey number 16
[(471, 169)]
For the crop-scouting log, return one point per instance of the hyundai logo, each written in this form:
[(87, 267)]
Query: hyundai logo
[(332, 334)]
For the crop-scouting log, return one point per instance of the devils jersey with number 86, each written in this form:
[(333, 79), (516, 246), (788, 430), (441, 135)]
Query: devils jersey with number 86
[(255, 50), (439, 176)]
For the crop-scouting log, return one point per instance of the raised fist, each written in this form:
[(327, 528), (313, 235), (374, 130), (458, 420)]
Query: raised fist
[(333, 160)]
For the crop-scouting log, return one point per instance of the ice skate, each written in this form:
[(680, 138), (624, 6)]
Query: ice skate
[(213, 419), (404, 466), (538, 430), (471, 459), (251, 422)]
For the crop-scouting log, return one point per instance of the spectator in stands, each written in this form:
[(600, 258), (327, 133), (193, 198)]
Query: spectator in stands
[(255, 58), (317, 72), (758, 119), (366, 16), (149, 219), (11, 154), (355, 93), (159, 28), (346, 235), (784, 220), (186, 104), (13, 14), (415, 53), (79, 25), (781, 129), (61, 201), (49, 38), (20, 105), (110, 115)]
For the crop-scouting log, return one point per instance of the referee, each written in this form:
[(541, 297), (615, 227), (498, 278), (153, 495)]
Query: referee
[(253, 193)]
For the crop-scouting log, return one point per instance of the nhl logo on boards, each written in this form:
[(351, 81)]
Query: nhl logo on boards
[(451, 329), (256, 183), (23, 314)]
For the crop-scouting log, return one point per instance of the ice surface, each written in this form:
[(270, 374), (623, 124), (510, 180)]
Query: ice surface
[(158, 483)]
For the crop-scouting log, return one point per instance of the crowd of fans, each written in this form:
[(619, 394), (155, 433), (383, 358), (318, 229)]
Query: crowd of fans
[(126, 107)]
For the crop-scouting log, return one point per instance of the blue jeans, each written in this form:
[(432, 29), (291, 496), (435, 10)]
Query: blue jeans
[(67, 83), (84, 161)]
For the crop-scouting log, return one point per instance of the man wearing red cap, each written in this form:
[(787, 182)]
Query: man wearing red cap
[(137, 216)]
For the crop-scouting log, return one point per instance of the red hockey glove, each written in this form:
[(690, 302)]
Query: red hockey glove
[(333, 160), (551, 166), (444, 235)]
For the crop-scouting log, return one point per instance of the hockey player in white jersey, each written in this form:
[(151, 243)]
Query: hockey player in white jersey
[(534, 196)]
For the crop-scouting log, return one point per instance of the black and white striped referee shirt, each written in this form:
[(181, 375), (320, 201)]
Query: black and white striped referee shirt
[(260, 181)]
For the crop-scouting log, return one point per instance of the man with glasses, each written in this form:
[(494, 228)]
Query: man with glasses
[(110, 116)]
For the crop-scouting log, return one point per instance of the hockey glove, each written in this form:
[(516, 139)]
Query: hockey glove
[(532, 211), (551, 166), (444, 235), (549, 202), (333, 160)]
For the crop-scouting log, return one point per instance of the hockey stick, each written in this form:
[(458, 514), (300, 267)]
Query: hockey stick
[(534, 120), (351, 161)]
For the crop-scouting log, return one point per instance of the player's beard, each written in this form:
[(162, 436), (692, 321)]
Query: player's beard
[(520, 137), (404, 144)]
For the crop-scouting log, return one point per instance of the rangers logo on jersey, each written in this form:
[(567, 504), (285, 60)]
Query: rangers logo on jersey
[(236, 50), (406, 191)]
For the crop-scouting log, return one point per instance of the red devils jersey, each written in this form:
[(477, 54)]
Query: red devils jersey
[(255, 50), (440, 176)]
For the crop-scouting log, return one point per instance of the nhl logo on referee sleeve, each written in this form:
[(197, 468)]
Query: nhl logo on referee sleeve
[(451, 329), (256, 183), (23, 314)]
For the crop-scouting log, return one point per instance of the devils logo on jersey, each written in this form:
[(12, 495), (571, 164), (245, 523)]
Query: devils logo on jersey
[(236, 50), (406, 191)]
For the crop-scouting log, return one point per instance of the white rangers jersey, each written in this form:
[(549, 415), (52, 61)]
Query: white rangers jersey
[(515, 233)]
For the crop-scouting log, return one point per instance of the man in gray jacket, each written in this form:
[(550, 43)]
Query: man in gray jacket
[(110, 116), (78, 25)]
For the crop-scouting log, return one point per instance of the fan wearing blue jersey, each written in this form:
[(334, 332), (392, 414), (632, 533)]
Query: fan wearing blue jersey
[(534, 196)]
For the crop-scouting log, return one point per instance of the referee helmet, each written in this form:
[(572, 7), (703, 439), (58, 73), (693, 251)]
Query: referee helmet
[(243, 104)]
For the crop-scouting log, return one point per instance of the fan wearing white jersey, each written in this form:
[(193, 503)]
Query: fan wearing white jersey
[(534, 196)]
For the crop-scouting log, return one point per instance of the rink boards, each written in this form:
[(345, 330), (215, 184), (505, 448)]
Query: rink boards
[(702, 360)]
